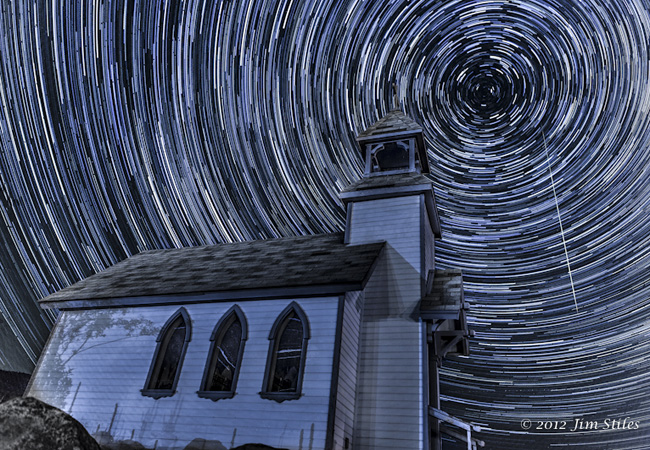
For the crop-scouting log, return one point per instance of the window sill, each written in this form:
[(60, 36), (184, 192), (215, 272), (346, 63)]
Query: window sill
[(158, 393), (215, 395), (280, 396)]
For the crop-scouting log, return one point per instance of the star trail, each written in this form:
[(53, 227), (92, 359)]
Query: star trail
[(133, 125)]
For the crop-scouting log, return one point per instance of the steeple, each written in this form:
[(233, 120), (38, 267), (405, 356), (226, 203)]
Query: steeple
[(393, 202), (393, 144)]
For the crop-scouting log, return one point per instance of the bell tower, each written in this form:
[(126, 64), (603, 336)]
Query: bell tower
[(394, 202), (395, 164), (393, 145)]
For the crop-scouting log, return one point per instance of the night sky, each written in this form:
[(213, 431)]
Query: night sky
[(134, 125)]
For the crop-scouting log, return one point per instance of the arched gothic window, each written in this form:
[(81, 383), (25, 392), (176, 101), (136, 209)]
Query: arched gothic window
[(287, 354), (225, 356), (168, 357)]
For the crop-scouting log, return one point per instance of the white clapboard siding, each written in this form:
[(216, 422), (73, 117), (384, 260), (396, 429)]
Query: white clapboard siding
[(98, 361), (347, 381), (389, 405)]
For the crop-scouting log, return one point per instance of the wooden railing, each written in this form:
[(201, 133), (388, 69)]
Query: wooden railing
[(472, 443)]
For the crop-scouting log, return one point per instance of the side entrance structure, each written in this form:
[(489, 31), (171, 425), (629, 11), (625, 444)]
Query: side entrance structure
[(316, 342)]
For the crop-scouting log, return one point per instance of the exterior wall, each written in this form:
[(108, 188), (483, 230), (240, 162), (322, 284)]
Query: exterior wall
[(98, 361), (390, 396), (347, 378), (429, 244)]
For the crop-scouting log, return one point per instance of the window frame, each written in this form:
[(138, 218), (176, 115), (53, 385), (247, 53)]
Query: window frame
[(160, 393), (371, 147), (278, 327), (216, 338)]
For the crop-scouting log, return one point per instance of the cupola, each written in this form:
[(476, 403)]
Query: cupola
[(394, 144)]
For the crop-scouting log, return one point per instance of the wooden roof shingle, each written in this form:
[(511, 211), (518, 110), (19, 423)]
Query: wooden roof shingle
[(446, 297), (275, 263), (393, 122)]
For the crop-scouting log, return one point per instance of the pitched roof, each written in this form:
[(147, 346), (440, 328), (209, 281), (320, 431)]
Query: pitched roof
[(446, 297), (275, 263), (393, 122)]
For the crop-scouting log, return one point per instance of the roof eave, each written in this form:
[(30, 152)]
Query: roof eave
[(273, 293), (390, 135)]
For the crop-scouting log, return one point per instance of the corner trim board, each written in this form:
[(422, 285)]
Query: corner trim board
[(348, 223), (334, 383), (39, 363), (426, 437)]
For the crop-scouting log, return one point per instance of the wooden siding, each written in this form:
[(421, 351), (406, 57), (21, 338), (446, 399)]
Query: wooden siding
[(98, 360), (348, 362), (389, 411)]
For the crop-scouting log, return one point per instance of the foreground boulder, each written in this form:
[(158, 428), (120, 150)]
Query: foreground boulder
[(123, 445), (204, 444), (28, 423), (256, 447)]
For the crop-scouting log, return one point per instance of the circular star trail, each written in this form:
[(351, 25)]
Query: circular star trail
[(131, 125)]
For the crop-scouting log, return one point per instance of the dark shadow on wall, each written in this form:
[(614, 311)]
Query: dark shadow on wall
[(12, 384)]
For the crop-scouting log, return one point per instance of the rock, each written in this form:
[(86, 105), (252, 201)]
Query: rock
[(103, 438), (28, 423), (124, 445), (106, 442), (256, 447), (204, 444)]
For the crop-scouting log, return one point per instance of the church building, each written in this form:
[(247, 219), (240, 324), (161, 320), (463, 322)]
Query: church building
[(321, 342)]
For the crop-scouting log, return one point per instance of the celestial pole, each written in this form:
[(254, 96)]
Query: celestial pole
[(131, 125)]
